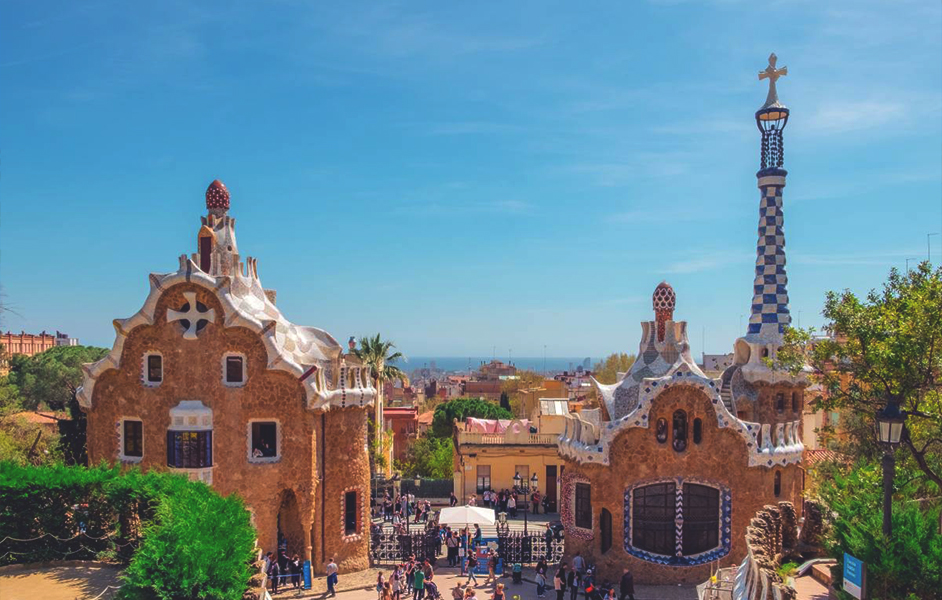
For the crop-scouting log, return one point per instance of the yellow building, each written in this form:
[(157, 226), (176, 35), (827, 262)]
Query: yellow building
[(488, 454)]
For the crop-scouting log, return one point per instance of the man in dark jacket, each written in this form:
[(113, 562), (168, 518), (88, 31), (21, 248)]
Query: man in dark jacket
[(627, 586)]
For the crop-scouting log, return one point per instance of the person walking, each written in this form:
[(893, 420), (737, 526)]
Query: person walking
[(491, 567), (274, 574), (627, 586), (540, 584), (410, 573), (578, 564), (452, 499), (572, 582), (559, 581), (331, 571), (512, 506), (396, 579), (380, 584), (536, 501), (428, 570), (451, 542), (296, 568), (472, 563), (418, 584)]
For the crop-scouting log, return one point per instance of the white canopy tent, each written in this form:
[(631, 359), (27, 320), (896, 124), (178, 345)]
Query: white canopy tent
[(466, 515)]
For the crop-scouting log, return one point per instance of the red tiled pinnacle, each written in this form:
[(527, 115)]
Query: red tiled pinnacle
[(217, 196), (664, 300)]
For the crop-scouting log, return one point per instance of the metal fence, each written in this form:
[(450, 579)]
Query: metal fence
[(391, 547), (529, 548)]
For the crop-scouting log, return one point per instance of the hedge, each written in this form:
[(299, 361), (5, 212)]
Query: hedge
[(179, 538)]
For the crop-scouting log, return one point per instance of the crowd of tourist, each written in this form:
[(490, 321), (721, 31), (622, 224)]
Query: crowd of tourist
[(400, 508)]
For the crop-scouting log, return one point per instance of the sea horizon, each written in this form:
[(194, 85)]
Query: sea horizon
[(550, 364)]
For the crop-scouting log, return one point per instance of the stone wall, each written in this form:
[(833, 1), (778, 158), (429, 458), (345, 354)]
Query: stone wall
[(637, 458), (346, 468), (765, 410), (771, 539)]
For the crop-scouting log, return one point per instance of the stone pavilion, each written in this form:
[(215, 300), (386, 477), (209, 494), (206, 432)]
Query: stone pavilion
[(210, 379), (665, 477)]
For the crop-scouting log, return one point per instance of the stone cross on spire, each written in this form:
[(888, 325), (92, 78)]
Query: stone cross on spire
[(772, 74)]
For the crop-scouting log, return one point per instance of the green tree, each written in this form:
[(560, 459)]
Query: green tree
[(431, 457), (50, 379), (608, 369), (461, 408), (879, 350), (379, 354), (909, 564)]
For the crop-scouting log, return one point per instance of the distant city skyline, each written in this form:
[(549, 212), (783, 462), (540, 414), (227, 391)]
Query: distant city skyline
[(460, 177)]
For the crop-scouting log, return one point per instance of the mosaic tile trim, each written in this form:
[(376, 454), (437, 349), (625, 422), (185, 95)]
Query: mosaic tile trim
[(678, 559), (786, 449), (568, 505), (361, 514)]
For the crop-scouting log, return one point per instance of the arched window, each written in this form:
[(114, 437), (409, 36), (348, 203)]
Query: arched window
[(697, 431), (795, 401), (661, 431), (780, 402), (680, 431), (678, 522), (605, 525), (777, 486)]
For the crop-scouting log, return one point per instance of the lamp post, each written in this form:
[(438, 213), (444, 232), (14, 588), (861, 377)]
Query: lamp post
[(523, 486), (889, 430)]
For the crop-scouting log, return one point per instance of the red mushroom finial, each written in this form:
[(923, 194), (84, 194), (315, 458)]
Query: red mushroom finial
[(664, 300), (217, 196)]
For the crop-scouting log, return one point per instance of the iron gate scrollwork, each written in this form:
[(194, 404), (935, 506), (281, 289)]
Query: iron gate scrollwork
[(392, 547), (528, 549)]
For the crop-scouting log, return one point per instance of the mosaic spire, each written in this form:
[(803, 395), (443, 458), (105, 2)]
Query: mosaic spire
[(770, 293)]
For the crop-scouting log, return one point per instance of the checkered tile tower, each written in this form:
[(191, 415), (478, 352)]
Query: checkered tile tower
[(770, 314)]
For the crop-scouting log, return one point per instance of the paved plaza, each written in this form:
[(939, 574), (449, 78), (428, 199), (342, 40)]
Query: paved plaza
[(360, 586)]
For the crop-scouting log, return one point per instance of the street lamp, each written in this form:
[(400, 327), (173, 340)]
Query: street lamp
[(889, 431)]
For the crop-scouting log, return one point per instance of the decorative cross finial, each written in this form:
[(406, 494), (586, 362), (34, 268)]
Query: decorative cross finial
[(772, 74), (191, 316)]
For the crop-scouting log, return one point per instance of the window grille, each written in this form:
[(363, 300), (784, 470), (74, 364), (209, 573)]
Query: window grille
[(190, 449), (701, 530), (653, 513), (583, 512), (133, 438), (155, 368), (350, 513)]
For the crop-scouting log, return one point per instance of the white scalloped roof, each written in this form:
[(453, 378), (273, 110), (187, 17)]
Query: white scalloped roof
[(305, 352)]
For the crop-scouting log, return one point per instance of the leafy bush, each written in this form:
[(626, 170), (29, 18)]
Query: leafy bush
[(909, 563), (429, 457), (461, 408), (179, 538), (198, 546)]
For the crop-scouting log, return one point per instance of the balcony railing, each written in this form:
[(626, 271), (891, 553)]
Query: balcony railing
[(508, 438)]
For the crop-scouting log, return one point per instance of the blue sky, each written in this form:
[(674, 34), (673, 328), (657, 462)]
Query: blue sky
[(462, 176)]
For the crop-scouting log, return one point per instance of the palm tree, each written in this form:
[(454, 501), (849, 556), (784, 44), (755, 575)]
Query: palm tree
[(377, 354)]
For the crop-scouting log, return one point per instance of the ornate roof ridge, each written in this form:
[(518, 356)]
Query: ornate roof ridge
[(305, 352)]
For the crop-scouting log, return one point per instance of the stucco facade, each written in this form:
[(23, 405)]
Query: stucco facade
[(209, 379), (719, 460)]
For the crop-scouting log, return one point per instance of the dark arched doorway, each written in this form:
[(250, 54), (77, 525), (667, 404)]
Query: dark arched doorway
[(290, 534)]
